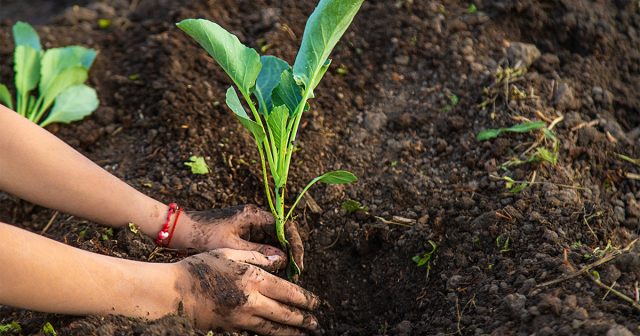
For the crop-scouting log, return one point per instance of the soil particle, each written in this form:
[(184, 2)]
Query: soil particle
[(403, 328), (374, 121), (522, 53), (619, 330), (516, 304), (565, 98)]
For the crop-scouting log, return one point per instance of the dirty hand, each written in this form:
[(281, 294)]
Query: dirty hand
[(238, 227), (223, 289)]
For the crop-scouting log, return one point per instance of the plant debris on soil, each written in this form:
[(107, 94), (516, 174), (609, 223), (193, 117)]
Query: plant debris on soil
[(386, 112)]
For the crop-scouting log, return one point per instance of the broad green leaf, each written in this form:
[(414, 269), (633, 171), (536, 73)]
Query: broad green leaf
[(24, 34), (337, 177), (268, 79), (526, 127), (74, 103), (198, 165), (234, 104), (277, 124), (5, 96), (56, 60), (67, 78), (489, 134), (27, 68), (323, 70), (287, 92), (242, 64), (325, 27)]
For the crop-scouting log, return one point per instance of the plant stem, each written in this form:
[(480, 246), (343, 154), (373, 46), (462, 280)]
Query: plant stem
[(256, 115), (265, 178)]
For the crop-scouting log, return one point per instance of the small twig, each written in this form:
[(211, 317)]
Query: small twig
[(46, 227), (586, 268), (607, 293), (615, 292), (390, 222), (334, 242), (632, 176), (555, 122), (586, 124)]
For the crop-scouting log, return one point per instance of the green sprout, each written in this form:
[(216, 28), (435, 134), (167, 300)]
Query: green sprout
[(58, 74), (426, 258), (281, 94), (198, 165)]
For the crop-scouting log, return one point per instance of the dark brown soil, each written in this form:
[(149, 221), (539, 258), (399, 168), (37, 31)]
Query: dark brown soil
[(387, 116)]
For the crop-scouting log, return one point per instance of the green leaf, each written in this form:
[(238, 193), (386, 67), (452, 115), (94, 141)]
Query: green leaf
[(56, 60), (526, 127), (198, 165), (544, 154), (234, 104), (268, 79), (325, 27), (519, 128), (337, 177), (5, 96), (48, 330), (74, 103), (13, 327), (277, 124), (27, 68), (66, 79), (287, 92), (242, 64), (24, 34), (333, 177), (351, 206), (489, 134)]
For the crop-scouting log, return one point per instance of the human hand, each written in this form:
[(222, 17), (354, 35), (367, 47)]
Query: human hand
[(238, 227), (223, 289)]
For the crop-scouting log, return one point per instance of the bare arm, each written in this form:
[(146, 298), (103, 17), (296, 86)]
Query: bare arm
[(44, 275), (40, 168)]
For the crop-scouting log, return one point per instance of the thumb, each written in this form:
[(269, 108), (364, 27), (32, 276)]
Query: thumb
[(270, 263), (241, 244)]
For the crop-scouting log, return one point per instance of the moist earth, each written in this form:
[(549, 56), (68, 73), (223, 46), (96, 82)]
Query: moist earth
[(411, 85)]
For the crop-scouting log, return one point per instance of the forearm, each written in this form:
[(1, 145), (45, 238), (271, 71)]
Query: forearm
[(40, 168), (45, 275)]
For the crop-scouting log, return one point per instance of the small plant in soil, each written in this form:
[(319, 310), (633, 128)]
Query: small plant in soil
[(277, 95), (10, 328), (58, 74), (426, 258)]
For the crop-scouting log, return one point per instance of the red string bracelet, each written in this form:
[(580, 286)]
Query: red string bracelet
[(164, 233), (173, 229)]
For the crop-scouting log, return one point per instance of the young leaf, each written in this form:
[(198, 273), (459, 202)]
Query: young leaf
[(351, 206), (27, 69), (489, 134), (333, 177), (56, 60), (198, 165), (519, 128), (242, 64), (526, 127), (234, 104), (5, 96), (74, 103), (277, 124), (67, 78), (24, 34), (325, 27), (268, 79), (337, 177), (287, 92)]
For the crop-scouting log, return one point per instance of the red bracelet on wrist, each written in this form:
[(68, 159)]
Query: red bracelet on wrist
[(164, 232), (173, 229)]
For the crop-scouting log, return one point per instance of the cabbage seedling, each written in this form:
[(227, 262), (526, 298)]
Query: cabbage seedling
[(58, 74), (281, 93)]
